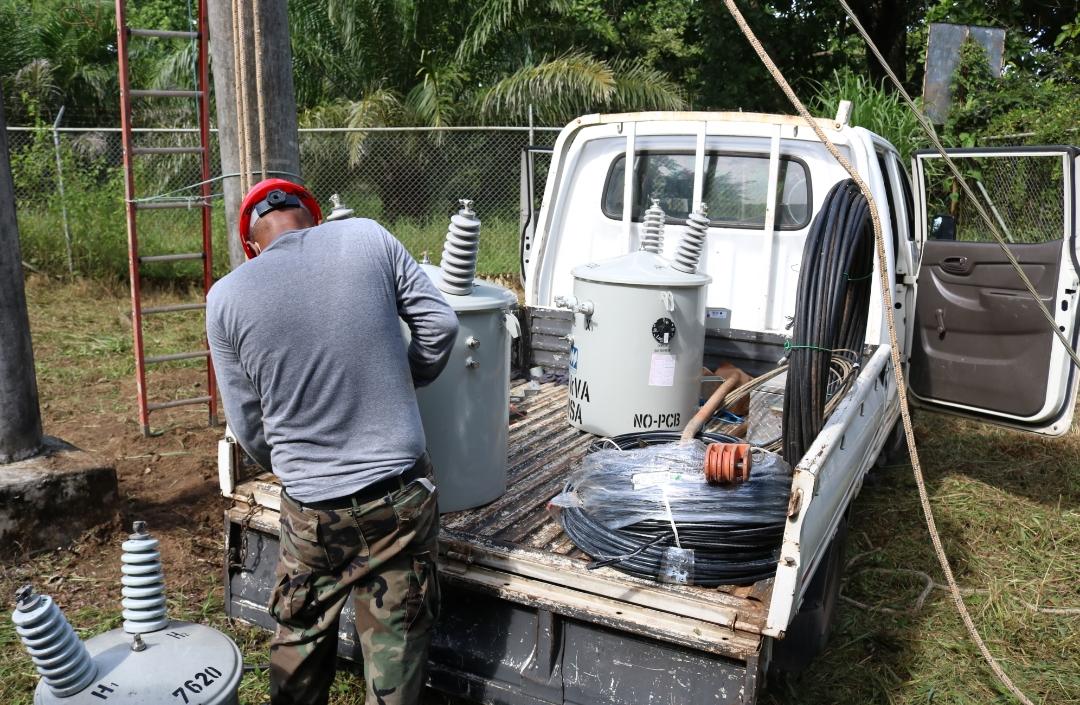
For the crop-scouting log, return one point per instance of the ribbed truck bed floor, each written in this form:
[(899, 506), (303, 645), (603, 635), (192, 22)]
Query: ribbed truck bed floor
[(514, 549)]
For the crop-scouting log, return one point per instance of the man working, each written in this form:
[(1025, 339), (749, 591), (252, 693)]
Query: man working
[(318, 386)]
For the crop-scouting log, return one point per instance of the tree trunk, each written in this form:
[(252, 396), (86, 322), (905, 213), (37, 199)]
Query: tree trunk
[(887, 23), (283, 158), (20, 417)]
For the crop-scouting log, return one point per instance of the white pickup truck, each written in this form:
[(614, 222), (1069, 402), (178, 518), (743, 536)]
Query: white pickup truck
[(524, 621)]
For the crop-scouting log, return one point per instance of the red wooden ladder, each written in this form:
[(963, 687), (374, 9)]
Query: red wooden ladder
[(133, 207)]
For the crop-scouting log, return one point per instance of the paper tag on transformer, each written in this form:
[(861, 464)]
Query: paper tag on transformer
[(662, 370)]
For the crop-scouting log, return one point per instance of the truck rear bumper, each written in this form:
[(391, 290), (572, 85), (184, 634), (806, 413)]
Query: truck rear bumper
[(498, 644)]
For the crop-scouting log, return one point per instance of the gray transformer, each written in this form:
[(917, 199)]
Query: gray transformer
[(151, 660), (465, 411), (637, 343), (184, 663)]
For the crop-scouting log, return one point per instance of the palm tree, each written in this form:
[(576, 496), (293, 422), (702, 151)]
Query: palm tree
[(363, 63)]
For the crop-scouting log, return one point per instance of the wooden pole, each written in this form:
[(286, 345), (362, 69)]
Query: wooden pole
[(282, 141), (20, 417)]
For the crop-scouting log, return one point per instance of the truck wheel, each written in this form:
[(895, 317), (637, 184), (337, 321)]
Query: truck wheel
[(808, 633), (895, 447)]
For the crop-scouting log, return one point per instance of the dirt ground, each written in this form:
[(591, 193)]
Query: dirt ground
[(1008, 507), (81, 334)]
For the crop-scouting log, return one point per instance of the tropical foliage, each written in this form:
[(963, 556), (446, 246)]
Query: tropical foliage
[(453, 62)]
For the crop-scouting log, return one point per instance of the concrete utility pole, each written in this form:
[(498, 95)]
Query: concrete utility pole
[(20, 417), (279, 99)]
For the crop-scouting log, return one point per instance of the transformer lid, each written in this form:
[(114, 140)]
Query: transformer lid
[(639, 268), (182, 663), (485, 295)]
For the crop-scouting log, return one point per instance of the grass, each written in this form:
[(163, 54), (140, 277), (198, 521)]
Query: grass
[(1008, 506), (99, 244)]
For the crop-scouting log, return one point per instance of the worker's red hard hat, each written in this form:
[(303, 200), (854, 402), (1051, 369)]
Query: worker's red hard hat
[(258, 192)]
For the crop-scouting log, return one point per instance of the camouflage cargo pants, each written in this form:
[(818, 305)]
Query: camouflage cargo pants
[(383, 553)]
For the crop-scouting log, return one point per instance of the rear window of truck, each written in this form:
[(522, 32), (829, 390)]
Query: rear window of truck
[(735, 188)]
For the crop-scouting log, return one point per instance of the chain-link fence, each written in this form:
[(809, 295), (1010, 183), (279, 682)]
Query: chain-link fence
[(1023, 192), (69, 190)]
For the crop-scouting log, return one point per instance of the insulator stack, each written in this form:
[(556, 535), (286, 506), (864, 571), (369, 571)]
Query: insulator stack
[(59, 655), (653, 238), (693, 242), (460, 251), (339, 210), (144, 583)]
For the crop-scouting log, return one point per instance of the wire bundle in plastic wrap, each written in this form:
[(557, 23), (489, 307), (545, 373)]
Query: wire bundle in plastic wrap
[(648, 511), (831, 305)]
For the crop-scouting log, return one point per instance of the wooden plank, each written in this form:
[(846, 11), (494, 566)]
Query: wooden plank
[(547, 326), (715, 605), (550, 360), (599, 582), (551, 343), (615, 614)]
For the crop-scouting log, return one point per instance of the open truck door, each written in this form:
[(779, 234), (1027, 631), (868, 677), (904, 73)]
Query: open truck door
[(981, 347)]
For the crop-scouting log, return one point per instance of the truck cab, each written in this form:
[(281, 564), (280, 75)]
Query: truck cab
[(962, 315)]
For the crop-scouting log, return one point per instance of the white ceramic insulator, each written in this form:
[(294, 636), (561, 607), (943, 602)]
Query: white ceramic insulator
[(652, 239), (144, 585), (58, 654), (460, 251), (688, 255)]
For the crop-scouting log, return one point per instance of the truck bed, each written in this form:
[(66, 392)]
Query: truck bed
[(514, 550)]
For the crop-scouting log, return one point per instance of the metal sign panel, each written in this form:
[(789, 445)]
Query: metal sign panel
[(943, 58)]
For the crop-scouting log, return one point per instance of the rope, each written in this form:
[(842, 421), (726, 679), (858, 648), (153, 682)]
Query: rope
[(897, 363), (928, 128), (167, 194), (243, 138), (238, 81), (929, 585), (260, 102)]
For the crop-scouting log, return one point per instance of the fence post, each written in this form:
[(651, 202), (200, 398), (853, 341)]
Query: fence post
[(60, 183), (20, 415)]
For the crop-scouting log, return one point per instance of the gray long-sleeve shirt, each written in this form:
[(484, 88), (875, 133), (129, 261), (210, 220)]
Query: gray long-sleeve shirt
[(311, 358)]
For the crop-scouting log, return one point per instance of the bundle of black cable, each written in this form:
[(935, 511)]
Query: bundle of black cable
[(831, 307), (736, 551)]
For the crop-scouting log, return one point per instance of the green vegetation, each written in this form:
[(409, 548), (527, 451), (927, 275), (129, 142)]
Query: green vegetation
[(874, 107), (383, 63)]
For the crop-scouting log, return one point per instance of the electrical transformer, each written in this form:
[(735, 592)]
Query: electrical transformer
[(151, 660), (465, 411), (638, 336)]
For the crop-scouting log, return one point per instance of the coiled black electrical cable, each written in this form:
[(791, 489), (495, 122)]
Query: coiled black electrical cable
[(831, 305), (725, 553)]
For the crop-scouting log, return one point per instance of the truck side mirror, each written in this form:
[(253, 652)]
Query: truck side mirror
[(943, 227)]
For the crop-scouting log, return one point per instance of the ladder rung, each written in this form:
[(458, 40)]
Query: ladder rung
[(166, 150), (162, 33), (163, 93), (172, 308), (171, 258), (177, 402), (154, 205), (173, 357)]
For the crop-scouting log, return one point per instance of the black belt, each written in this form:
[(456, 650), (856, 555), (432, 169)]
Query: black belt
[(369, 493)]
